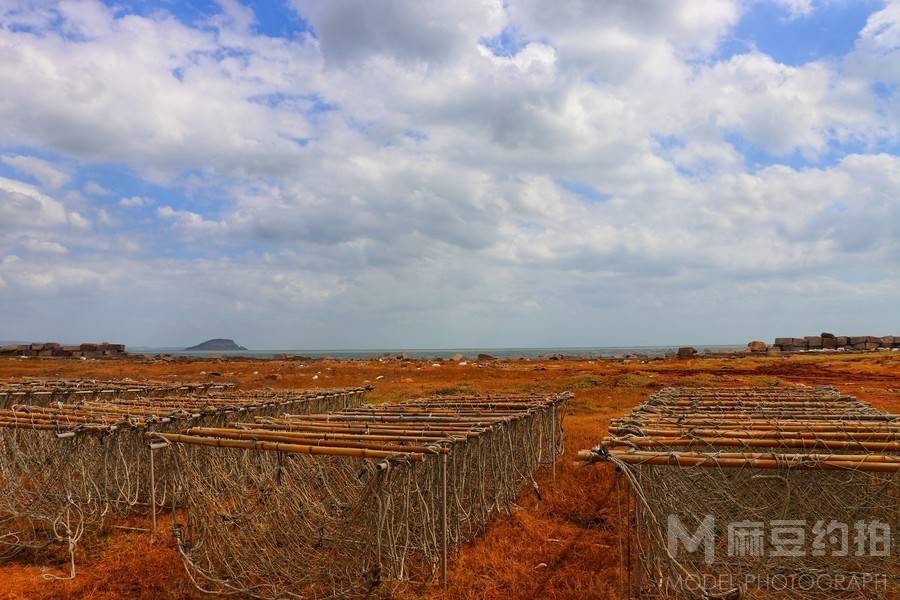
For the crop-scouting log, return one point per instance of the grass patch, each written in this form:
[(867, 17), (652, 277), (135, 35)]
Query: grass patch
[(586, 382), (624, 380), (700, 380), (639, 379), (456, 390)]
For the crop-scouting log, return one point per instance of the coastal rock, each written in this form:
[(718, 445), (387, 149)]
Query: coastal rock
[(757, 346), (826, 336), (483, 356), (791, 344), (686, 352), (458, 357), (866, 345), (217, 345), (813, 342), (829, 343), (54, 349)]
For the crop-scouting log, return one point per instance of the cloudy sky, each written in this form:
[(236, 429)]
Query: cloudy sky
[(407, 173)]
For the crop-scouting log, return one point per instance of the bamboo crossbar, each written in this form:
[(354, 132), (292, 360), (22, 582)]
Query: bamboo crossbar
[(424, 418), (380, 430), (762, 414), (12, 421), (756, 461), (48, 426), (753, 443), (313, 440), (330, 435), (786, 425), (778, 434), (283, 447)]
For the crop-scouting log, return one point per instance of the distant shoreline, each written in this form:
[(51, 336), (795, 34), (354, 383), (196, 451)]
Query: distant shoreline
[(437, 353)]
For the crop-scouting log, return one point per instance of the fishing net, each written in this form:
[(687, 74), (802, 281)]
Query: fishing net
[(750, 493), (46, 392), (65, 467), (322, 506)]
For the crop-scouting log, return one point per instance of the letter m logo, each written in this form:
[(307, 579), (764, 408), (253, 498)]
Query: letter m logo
[(705, 534)]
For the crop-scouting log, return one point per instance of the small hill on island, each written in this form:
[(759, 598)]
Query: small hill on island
[(217, 345)]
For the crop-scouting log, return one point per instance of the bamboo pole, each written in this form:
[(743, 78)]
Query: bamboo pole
[(859, 436), (150, 449), (759, 461), (291, 437), (290, 448), (837, 416), (750, 424), (553, 446), (754, 443), (444, 521), (377, 430), (327, 435)]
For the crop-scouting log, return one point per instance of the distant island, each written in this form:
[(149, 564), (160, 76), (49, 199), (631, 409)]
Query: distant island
[(217, 345)]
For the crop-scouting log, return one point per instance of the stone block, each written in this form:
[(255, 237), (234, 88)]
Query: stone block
[(686, 352), (866, 345)]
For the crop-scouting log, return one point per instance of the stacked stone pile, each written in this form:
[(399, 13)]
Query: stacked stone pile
[(829, 341), (89, 350)]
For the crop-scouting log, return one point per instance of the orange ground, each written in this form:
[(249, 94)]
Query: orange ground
[(561, 547)]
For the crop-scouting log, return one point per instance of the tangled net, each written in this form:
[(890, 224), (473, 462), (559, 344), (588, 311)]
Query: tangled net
[(45, 392), (329, 505), (758, 493), (65, 467)]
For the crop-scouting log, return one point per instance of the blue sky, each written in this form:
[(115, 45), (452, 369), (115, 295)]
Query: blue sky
[(429, 174)]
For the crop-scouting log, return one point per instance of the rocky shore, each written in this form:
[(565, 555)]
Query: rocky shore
[(52, 349), (829, 341)]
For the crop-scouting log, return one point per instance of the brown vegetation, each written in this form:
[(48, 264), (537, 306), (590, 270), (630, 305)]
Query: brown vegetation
[(562, 545)]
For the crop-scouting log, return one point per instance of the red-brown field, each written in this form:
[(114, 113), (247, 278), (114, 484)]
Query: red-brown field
[(564, 546)]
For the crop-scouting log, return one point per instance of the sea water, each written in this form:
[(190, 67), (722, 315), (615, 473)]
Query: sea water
[(426, 353)]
